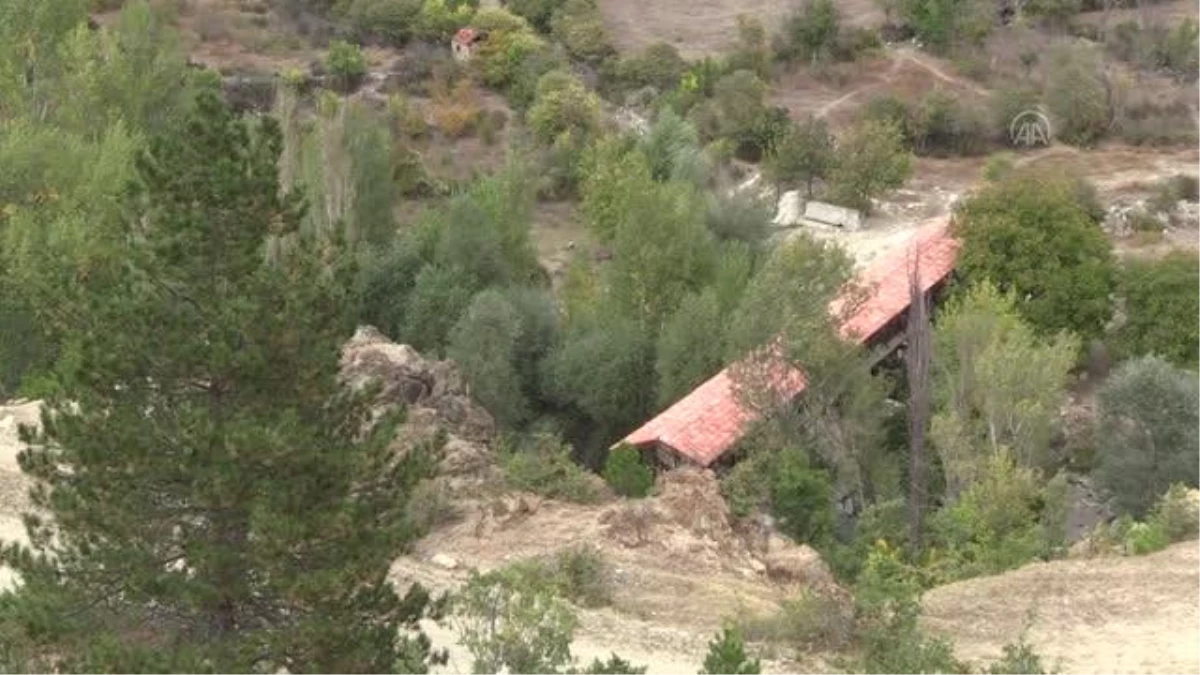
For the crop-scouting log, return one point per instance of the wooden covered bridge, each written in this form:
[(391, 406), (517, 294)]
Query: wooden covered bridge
[(704, 425)]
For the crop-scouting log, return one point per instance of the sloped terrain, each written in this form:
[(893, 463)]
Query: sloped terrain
[(1105, 615)]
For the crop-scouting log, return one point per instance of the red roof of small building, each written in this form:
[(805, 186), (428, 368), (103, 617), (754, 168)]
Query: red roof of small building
[(707, 422)]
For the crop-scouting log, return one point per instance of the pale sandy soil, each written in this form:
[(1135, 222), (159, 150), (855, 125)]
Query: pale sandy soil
[(1106, 615)]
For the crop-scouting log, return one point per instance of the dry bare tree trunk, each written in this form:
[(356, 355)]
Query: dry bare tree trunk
[(917, 364)]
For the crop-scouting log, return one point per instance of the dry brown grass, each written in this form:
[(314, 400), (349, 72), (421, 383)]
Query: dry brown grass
[(456, 107), (1107, 615)]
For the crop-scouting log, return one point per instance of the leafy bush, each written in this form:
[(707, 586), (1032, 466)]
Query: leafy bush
[(430, 505), (738, 111), (537, 12), (439, 19), (893, 111), (1172, 189), (727, 656), (1077, 96), (802, 498), (626, 473), (751, 51), (391, 21), (1143, 538), (513, 628), (672, 150), (1019, 659), (744, 488), (543, 465), (579, 26), (999, 166), (658, 65), (810, 33), (1146, 433), (1177, 514), (615, 665), (871, 159), (346, 62), (580, 575), (996, 524), (1033, 236), (804, 155), (563, 104), (501, 59), (1160, 301), (943, 125)]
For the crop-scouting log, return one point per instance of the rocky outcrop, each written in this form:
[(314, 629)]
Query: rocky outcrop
[(433, 393)]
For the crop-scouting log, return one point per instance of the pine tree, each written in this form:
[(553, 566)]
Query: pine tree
[(209, 497)]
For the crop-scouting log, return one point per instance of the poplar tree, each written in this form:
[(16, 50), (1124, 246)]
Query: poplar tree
[(209, 497)]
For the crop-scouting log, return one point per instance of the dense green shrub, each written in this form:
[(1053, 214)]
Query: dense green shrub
[(1143, 538), (944, 125), (1167, 191), (1161, 298), (543, 465), (346, 62), (658, 65), (578, 25), (727, 656), (871, 159), (802, 498), (563, 104), (537, 12), (1147, 436), (942, 24), (627, 473), (615, 665), (811, 621), (1076, 95), (1019, 659), (810, 33), (391, 21), (891, 110), (510, 627), (1177, 513)]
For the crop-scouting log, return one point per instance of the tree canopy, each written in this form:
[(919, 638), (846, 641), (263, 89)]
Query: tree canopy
[(1031, 236)]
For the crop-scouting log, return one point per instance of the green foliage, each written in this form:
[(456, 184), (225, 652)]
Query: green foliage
[(809, 33), (484, 344), (514, 628), (1031, 236), (207, 384), (658, 65), (501, 59), (563, 105), (690, 346), (627, 473), (1077, 95), (891, 110), (999, 167), (537, 12), (739, 218), (1161, 301), (887, 604), (995, 525), (804, 155), (801, 498), (1157, 47), (391, 21), (615, 665), (942, 24), (996, 385), (611, 176), (751, 52), (346, 62), (605, 369), (578, 25), (1147, 432), (580, 575), (746, 486), (672, 150), (439, 296), (1056, 13), (871, 159), (439, 19), (1167, 191), (1177, 513), (1019, 659), (1143, 538), (543, 465), (727, 655), (738, 112), (944, 125), (810, 622)]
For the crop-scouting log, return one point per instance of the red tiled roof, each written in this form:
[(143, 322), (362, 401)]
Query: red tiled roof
[(710, 419)]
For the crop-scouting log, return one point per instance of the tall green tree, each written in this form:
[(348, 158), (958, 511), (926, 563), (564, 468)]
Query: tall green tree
[(209, 495), (997, 386), (1032, 236), (484, 344), (804, 155), (1161, 303), (872, 158), (691, 347), (1146, 434)]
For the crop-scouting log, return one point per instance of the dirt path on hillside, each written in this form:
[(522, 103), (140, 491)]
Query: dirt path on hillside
[(1106, 615)]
